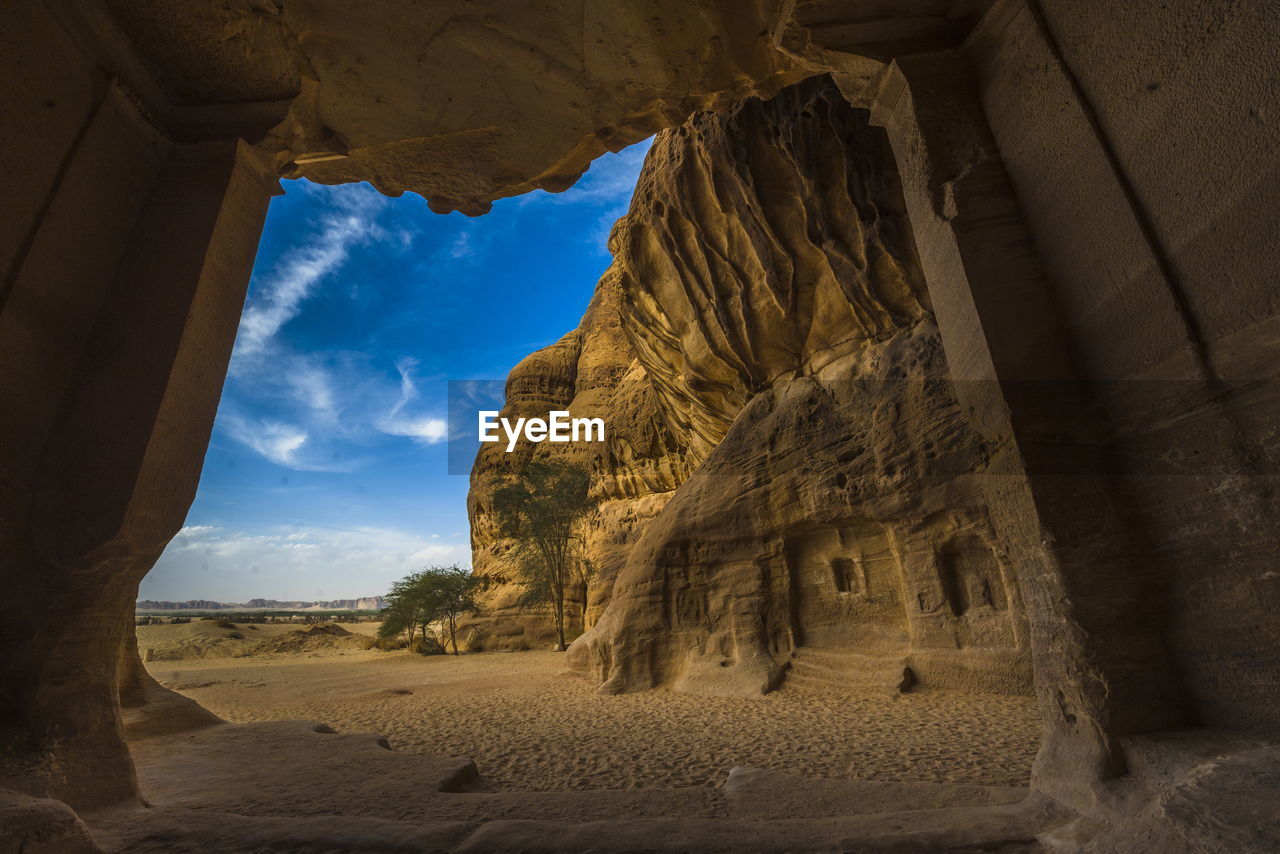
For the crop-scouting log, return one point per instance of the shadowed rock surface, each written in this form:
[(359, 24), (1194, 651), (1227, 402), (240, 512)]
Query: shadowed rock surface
[(460, 102), (1072, 290), (818, 489)]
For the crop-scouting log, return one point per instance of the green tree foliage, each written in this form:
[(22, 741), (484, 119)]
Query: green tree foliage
[(455, 589), (540, 511), (438, 594)]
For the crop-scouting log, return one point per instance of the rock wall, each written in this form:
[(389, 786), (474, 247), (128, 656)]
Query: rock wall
[(591, 372), (787, 466), (1090, 185), (1161, 248)]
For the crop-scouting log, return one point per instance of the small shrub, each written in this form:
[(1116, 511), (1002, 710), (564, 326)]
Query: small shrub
[(224, 623), (236, 636)]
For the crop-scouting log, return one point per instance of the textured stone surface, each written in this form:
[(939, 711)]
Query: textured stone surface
[(463, 102), (1192, 790), (41, 826), (1170, 305), (1090, 187), (591, 372), (296, 786), (816, 469)]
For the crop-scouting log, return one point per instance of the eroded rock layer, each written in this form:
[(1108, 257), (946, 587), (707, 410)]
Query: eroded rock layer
[(591, 372), (788, 482)]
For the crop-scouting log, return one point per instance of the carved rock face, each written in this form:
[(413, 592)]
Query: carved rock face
[(787, 466)]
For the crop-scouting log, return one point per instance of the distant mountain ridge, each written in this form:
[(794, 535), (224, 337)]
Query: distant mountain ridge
[(365, 603)]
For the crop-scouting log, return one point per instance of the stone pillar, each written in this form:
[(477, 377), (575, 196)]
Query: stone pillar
[(117, 324), (1163, 248), (1102, 669)]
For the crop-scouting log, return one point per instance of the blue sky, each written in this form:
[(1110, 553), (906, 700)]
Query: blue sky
[(326, 476)]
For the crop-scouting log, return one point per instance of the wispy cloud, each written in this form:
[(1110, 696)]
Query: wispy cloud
[(469, 244), (426, 431), (293, 404), (279, 298), (462, 246), (282, 443), (402, 421), (310, 386)]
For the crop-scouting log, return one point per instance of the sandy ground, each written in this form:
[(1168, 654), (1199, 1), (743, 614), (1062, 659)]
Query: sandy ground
[(529, 728), (208, 639)]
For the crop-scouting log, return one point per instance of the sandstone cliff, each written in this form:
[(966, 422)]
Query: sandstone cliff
[(788, 481), (591, 372), (1074, 228)]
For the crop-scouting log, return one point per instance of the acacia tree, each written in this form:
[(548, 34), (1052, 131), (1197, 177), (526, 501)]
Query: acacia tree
[(405, 612), (453, 594), (437, 594), (539, 510)]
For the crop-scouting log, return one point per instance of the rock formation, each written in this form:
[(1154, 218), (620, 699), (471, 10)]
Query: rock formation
[(803, 475), (1089, 192), (593, 81), (591, 372)]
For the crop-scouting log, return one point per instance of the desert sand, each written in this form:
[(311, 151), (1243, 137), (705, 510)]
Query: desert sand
[(530, 727), (211, 639)]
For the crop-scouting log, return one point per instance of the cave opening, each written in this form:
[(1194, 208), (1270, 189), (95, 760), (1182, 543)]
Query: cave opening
[(327, 428), (330, 464), (330, 473), (1097, 401)]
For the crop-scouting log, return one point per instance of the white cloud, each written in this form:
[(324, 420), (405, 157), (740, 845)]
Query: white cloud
[(286, 291), (293, 406), (461, 246), (276, 441), (426, 431), (310, 386), (292, 562), (469, 246), (279, 298), (399, 421), (288, 445), (310, 405)]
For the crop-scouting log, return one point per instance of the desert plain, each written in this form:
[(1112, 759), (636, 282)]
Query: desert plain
[(530, 726)]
